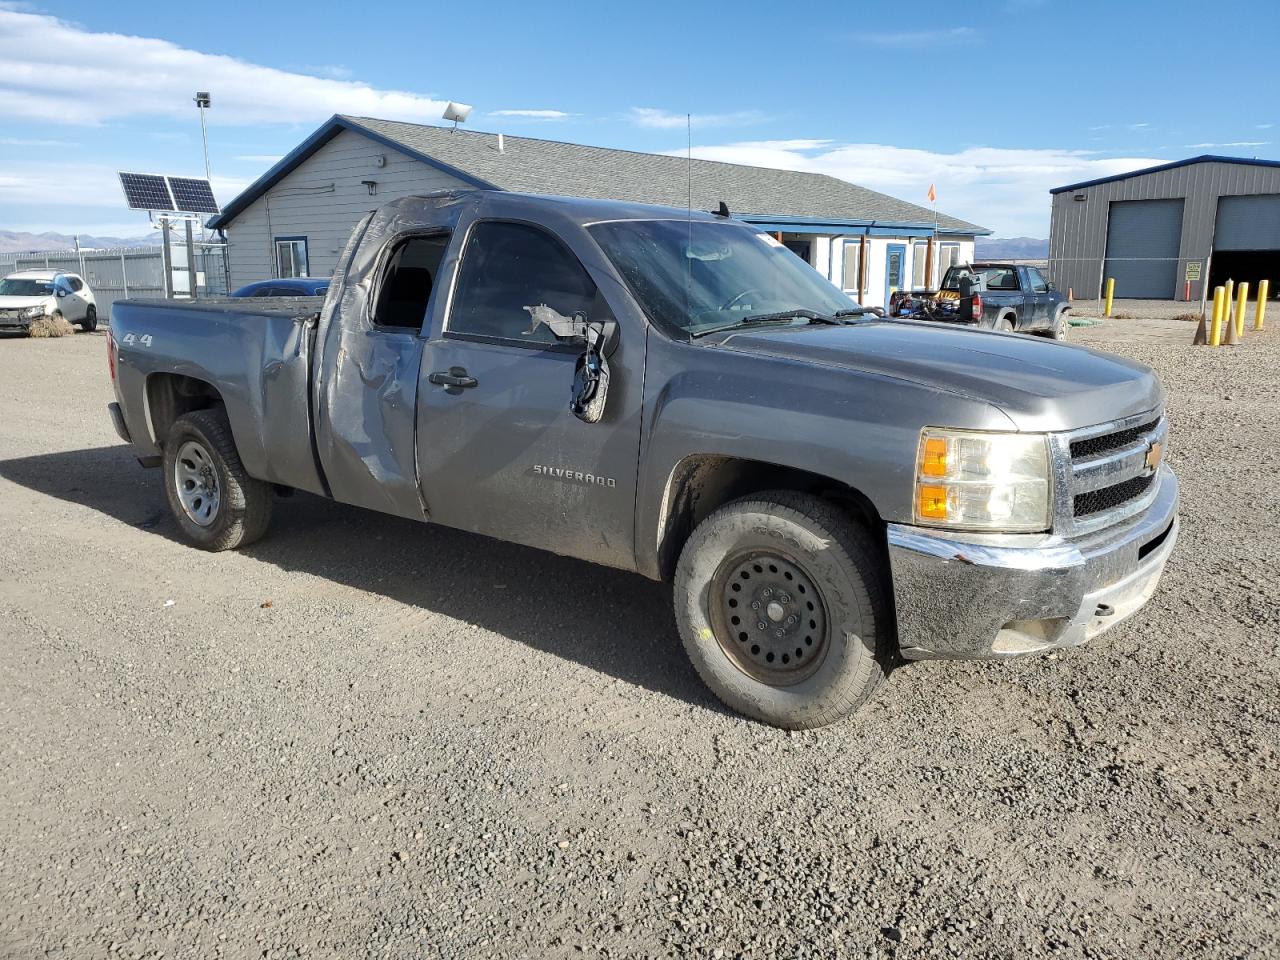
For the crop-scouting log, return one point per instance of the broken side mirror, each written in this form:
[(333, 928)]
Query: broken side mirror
[(590, 389)]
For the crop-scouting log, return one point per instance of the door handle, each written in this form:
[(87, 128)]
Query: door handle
[(455, 377)]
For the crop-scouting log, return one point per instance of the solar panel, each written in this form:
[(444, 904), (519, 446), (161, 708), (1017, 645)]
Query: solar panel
[(146, 191), (192, 196)]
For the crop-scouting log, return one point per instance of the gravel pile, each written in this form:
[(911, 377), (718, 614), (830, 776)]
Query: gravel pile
[(365, 738)]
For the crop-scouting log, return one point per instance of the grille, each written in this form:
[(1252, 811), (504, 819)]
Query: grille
[(1110, 497), (1095, 446)]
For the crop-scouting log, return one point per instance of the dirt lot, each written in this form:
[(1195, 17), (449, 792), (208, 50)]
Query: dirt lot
[(367, 738)]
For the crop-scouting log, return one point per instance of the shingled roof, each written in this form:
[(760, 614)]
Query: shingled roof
[(529, 165)]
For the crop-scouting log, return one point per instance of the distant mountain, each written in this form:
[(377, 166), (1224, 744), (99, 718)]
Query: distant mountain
[(12, 242), (1010, 248)]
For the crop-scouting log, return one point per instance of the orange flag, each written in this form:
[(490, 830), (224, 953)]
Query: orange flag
[(933, 194)]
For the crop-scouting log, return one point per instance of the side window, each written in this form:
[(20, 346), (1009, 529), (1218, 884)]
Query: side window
[(291, 257), (509, 266), (76, 284), (1038, 282), (408, 280)]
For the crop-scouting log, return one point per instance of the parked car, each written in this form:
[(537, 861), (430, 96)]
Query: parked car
[(1007, 297), (28, 295), (678, 395), (286, 287)]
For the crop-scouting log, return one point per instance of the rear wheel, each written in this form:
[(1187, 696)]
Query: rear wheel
[(1004, 324), (782, 605), (217, 505), (90, 321)]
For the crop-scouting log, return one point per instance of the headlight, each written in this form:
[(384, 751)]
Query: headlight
[(983, 481), (32, 313)]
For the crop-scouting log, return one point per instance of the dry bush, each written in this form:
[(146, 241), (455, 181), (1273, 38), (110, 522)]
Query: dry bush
[(1190, 317), (50, 327)]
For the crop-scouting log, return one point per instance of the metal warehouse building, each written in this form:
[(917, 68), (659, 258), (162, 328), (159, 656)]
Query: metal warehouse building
[(1167, 231), (295, 219)]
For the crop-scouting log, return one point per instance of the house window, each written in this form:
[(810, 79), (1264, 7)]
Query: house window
[(948, 256), (945, 255), (919, 259), (852, 266), (291, 257)]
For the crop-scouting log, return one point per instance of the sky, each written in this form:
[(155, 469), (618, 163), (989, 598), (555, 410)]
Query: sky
[(994, 102)]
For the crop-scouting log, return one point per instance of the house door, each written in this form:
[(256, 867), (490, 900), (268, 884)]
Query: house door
[(895, 259)]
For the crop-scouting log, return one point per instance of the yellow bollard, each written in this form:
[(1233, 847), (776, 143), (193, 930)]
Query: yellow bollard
[(1111, 294), (1264, 291), (1215, 331), (1242, 306), (1229, 304)]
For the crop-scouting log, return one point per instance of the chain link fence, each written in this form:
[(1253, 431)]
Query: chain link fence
[(128, 272)]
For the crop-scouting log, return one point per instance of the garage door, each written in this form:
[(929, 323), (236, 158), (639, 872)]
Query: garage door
[(1143, 237), (1248, 223)]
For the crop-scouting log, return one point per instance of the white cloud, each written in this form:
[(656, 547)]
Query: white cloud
[(532, 114), (656, 119), (1006, 190), (55, 71), (1137, 126), (1263, 126), (1233, 143), (921, 38), (21, 142)]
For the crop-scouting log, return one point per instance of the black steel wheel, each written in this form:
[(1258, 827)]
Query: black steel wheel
[(769, 617), (782, 603)]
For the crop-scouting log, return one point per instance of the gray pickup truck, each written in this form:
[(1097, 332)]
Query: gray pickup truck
[(678, 395)]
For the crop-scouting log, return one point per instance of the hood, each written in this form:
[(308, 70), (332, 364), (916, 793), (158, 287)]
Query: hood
[(17, 303), (1039, 384)]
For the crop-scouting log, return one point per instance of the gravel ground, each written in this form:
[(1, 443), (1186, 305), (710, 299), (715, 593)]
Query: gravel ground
[(368, 738)]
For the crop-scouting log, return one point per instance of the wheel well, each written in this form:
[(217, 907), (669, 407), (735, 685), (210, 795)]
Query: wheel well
[(170, 395), (701, 484)]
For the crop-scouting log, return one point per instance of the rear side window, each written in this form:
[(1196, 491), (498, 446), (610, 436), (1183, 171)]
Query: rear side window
[(408, 281), (507, 267), (76, 284)]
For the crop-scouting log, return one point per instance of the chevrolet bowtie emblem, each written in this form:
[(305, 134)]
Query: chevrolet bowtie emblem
[(1154, 454)]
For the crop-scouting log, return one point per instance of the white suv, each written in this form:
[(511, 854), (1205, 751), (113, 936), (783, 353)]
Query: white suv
[(31, 294)]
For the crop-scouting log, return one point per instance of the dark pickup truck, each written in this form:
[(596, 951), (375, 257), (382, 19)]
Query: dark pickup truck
[(678, 395), (1007, 297)]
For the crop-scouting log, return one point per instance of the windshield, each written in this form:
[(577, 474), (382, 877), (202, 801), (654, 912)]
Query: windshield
[(25, 287), (696, 277)]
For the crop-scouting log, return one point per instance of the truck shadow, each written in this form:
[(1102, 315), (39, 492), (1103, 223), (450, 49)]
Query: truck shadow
[(617, 623)]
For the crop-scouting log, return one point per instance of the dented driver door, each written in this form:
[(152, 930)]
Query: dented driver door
[(500, 452)]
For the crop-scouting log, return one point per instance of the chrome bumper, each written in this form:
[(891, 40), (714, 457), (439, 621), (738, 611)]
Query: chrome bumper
[(970, 596)]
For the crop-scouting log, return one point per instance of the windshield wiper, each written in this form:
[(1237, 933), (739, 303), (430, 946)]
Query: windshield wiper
[(811, 315)]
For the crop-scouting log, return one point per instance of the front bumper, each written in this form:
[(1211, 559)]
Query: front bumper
[(14, 323), (968, 596)]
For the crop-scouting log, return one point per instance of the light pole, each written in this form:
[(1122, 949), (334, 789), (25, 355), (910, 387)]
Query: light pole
[(202, 102)]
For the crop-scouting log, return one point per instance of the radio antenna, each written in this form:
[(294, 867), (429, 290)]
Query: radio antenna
[(688, 169)]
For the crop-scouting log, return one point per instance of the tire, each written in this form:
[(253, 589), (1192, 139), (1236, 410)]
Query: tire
[(231, 509), (1061, 324), (90, 321), (1004, 324), (783, 540)]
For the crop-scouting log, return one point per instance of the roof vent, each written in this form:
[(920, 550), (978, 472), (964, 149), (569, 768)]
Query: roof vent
[(502, 146)]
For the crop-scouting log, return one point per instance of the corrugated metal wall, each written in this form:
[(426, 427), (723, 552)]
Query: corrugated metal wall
[(1078, 230)]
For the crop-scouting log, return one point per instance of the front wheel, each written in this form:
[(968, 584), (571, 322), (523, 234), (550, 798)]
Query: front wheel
[(90, 321), (781, 602), (217, 505), (1061, 325)]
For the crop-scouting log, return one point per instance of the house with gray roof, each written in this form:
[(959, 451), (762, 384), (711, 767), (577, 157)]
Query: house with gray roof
[(295, 219)]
